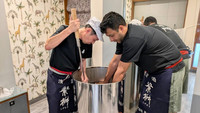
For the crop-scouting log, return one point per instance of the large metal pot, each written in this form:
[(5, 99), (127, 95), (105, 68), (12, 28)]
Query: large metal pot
[(98, 98)]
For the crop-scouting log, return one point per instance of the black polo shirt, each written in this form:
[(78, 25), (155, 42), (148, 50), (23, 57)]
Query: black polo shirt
[(173, 36), (65, 57), (149, 48)]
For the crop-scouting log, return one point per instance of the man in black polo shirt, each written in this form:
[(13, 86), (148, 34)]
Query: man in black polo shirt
[(149, 49), (184, 50), (61, 93)]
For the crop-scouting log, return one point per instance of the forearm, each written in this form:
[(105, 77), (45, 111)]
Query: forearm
[(121, 71), (57, 39), (84, 64), (119, 75), (84, 77), (112, 67)]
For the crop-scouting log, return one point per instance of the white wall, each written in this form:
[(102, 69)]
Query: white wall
[(191, 22), (110, 47), (170, 7), (103, 52), (97, 11), (6, 68), (167, 12)]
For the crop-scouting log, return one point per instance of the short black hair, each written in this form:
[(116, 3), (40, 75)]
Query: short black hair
[(89, 26), (112, 20), (150, 20)]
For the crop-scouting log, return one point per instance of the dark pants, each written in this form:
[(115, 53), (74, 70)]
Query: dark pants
[(61, 97), (155, 93)]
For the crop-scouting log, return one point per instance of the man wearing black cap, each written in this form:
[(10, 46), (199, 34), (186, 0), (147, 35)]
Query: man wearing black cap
[(61, 93), (149, 49)]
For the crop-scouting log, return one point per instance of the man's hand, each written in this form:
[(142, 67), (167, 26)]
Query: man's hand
[(84, 78), (74, 25), (105, 81), (55, 40), (102, 81)]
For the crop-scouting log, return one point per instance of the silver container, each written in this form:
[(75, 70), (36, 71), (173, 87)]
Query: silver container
[(93, 97)]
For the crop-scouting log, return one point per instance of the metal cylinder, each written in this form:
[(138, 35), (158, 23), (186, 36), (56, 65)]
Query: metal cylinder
[(93, 97)]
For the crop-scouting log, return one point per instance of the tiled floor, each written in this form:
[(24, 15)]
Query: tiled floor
[(187, 98), (42, 106)]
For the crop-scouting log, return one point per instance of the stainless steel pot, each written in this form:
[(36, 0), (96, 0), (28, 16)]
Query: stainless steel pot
[(98, 98)]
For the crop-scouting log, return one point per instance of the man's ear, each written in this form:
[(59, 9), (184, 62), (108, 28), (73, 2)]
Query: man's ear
[(87, 30), (121, 28)]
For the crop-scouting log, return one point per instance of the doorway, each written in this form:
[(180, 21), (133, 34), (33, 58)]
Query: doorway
[(196, 49)]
